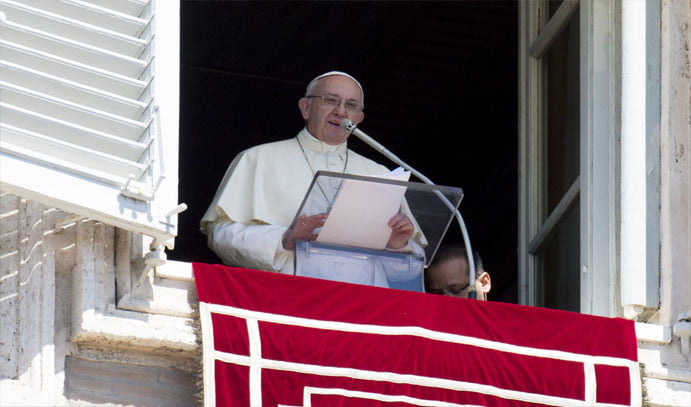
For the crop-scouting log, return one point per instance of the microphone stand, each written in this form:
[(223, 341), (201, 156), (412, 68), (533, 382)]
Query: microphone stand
[(351, 128)]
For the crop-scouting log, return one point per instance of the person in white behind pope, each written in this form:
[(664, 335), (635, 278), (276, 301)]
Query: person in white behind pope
[(247, 223)]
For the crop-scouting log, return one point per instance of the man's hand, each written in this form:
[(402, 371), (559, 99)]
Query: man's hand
[(303, 229), (401, 231)]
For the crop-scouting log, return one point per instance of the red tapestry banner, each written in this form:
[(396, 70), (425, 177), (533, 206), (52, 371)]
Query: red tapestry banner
[(277, 340)]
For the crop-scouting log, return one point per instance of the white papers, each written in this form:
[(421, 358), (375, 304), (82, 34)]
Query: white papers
[(362, 211)]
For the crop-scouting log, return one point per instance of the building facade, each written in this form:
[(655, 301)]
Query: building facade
[(93, 314)]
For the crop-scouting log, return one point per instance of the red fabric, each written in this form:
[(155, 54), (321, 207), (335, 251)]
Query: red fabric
[(402, 347)]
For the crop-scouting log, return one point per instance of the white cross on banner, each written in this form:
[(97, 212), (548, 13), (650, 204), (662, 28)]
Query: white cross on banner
[(272, 340)]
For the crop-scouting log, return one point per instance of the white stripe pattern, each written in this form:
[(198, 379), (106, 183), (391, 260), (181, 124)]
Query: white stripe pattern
[(419, 332), (309, 391), (255, 360), (257, 363), (208, 358)]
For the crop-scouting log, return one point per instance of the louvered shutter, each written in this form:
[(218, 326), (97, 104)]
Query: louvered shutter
[(89, 96)]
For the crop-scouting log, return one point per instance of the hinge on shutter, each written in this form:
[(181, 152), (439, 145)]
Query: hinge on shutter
[(141, 193), (682, 329), (166, 219), (157, 249)]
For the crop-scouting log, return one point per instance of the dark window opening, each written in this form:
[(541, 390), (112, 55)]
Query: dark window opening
[(441, 92)]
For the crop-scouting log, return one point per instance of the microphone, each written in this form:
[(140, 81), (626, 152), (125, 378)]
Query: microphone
[(351, 128)]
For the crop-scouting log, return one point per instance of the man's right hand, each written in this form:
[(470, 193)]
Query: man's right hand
[(303, 230)]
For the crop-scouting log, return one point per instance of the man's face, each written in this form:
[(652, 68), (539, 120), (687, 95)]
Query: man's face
[(449, 278), (324, 122)]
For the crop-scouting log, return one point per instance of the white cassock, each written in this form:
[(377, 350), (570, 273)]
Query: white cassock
[(261, 193)]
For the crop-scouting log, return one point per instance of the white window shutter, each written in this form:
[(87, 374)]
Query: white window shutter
[(89, 95)]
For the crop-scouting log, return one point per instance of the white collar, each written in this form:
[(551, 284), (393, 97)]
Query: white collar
[(312, 143)]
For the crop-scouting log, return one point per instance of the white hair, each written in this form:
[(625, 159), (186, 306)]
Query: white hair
[(313, 83)]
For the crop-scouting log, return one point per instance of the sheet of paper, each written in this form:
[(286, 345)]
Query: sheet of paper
[(362, 211)]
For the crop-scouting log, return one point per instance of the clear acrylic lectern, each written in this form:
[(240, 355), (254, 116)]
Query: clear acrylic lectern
[(351, 246)]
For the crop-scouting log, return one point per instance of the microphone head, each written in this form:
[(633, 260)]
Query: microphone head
[(348, 125)]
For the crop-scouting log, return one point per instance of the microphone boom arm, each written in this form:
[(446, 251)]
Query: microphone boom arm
[(351, 128)]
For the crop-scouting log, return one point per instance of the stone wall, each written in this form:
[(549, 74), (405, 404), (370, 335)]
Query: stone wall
[(667, 366), (100, 383), (64, 339)]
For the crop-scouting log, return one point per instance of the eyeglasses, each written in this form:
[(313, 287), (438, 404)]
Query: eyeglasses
[(351, 106)]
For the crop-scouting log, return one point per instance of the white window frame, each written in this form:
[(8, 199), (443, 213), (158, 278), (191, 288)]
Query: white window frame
[(536, 34), (599, 158), (640, 152), (619, 203)]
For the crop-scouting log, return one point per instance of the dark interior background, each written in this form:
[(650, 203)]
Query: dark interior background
[(440, 82)]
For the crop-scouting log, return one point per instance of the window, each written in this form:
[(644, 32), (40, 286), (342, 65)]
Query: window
[(552, 240), (589, 153), (89, 108)]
